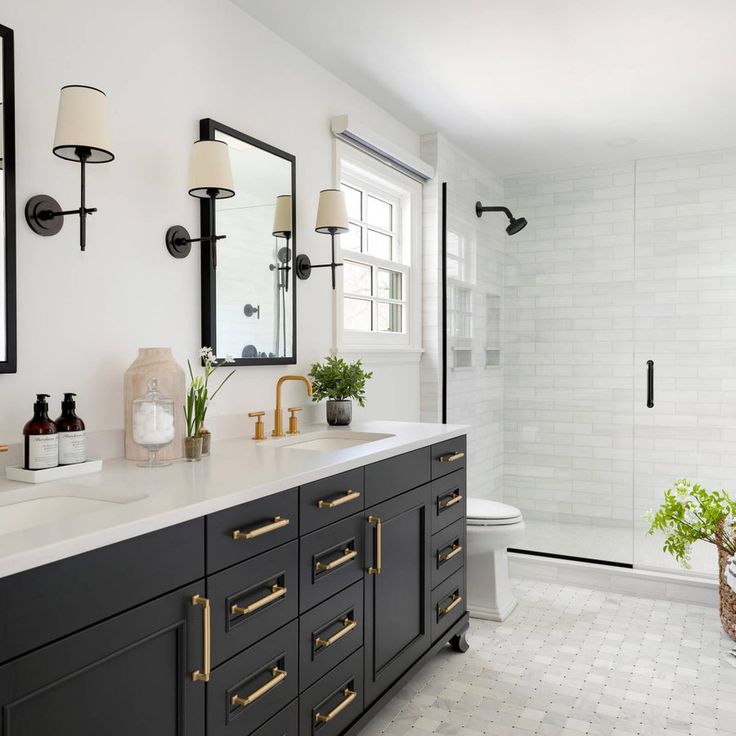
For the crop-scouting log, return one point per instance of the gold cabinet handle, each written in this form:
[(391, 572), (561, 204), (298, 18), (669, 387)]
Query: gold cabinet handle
[(339, 501), (346, 556), (348, 697), (347, 626), (445, 503), (277, 523), (204, 674), (277, 591), (456, 599), (277, 677), (375, 521), (456, 550), (452, 457)]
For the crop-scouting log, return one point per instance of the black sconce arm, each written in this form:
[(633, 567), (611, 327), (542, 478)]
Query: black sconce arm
[(179, 243)]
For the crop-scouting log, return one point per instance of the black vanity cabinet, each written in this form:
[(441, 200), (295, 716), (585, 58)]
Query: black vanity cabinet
[(298, 614)]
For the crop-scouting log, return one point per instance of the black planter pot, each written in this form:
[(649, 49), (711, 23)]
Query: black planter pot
[(339, 412)]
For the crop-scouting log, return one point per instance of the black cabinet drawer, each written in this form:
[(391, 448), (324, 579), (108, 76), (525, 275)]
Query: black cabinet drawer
[(247, 690), (448, 456), (333, 703), (329, 560), (329, 632), (331, 499), (285, 723), (448, 500), (448, 603), (247, 530), (252, 599), (49, 602), (448, 551), (388, 478)]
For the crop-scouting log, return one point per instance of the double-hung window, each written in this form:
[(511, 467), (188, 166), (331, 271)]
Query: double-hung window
[(379, 305)]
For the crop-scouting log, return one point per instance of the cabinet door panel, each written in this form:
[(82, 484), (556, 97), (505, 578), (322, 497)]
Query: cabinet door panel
[(129, 675), (397, 600)]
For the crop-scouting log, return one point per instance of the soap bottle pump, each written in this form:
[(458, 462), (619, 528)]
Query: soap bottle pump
[(72, 438), (40, 439)]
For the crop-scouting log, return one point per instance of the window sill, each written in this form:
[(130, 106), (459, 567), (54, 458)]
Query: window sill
[(379, 355)]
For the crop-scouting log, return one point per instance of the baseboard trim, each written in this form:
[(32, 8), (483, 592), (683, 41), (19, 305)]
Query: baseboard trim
[(631, 581)]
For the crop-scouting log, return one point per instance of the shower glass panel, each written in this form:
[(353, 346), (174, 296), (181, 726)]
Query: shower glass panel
[(540, 353), (685, 322)]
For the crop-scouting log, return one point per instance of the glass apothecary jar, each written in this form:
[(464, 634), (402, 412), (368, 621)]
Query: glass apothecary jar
[(153, 424)]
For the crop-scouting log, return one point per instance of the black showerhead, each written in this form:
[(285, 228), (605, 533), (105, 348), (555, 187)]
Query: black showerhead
[(515, 224)]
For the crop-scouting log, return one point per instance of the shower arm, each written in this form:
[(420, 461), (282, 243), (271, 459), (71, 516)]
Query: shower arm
[(480, 209)]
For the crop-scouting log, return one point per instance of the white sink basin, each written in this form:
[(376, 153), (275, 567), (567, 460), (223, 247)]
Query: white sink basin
[(326, 440), (40, 511)]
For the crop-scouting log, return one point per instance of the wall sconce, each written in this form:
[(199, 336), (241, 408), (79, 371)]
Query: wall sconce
[(82, 134), (282, 226), (332, 218), (210, 178)]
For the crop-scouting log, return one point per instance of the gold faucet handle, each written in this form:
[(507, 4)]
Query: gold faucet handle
[(4, 448), (293, 419), (260, 427)]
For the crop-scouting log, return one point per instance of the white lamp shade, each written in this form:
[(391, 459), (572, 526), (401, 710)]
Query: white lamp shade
[(282, 216), (83, 122), (332, 214), (210, 170)]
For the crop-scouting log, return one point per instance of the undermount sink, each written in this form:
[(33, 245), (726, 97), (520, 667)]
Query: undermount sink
[(49, 509), (327, 441)]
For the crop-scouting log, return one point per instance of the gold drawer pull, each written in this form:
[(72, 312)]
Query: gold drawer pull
[(456, 599), (347, 555), (339, 501), (375, 521), (204, 675), (277, 591), (452, 457), (456, 550), (347, 626), (277, 523), (278, 676), (445, 503), (349, 696)]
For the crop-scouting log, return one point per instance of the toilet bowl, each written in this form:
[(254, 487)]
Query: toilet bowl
[(492, 528)]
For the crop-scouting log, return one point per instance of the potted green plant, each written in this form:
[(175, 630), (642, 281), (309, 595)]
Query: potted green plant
[(691, 513), (197, 441), (339, 382)]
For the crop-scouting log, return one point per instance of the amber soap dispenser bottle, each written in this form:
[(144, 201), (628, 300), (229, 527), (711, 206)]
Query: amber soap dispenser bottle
[(72, 441), (40, 439)]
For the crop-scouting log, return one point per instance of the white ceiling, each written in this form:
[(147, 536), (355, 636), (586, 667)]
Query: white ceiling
[(529, 85)]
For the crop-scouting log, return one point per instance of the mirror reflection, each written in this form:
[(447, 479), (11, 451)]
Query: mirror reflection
[(254, 299)]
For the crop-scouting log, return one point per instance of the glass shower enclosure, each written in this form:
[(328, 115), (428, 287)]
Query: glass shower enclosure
[(593, 353)]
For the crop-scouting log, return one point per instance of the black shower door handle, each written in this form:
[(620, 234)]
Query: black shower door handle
[(650, 384)]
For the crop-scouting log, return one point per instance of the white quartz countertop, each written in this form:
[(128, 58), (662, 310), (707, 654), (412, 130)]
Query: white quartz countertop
[(135, 501)]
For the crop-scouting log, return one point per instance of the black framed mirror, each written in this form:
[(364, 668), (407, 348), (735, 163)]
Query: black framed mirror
[(8, 330), (249, 298)]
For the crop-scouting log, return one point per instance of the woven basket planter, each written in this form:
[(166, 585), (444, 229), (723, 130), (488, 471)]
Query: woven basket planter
[(728, 597)]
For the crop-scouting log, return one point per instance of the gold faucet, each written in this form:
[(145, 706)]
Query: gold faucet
[(278, 427)]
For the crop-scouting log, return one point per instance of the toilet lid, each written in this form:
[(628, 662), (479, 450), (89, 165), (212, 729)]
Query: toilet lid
[(482, 512)]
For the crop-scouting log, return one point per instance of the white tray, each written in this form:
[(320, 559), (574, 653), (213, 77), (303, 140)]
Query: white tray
[(17, 472)]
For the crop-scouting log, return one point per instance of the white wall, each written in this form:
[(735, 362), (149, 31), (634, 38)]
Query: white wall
[(164, 64)]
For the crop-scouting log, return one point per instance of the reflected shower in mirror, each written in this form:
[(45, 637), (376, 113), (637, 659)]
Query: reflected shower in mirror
[(249, 301)]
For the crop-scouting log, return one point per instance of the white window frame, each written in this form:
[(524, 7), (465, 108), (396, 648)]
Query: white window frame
[(365, 171)]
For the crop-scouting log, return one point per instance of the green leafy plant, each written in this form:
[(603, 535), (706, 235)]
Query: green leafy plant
[(691, 513), (198, 395), (337, 380)]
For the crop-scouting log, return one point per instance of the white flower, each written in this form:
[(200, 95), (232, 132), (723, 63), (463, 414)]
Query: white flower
[(228, 359), (206, 354)]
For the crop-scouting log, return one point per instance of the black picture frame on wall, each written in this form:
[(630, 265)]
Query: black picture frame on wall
[(10, 364), (208, 128)]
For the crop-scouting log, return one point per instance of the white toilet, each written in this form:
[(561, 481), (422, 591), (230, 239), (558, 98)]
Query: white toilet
[(492, 528)]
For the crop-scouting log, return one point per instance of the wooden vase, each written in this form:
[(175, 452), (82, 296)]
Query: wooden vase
[(155, 363)]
